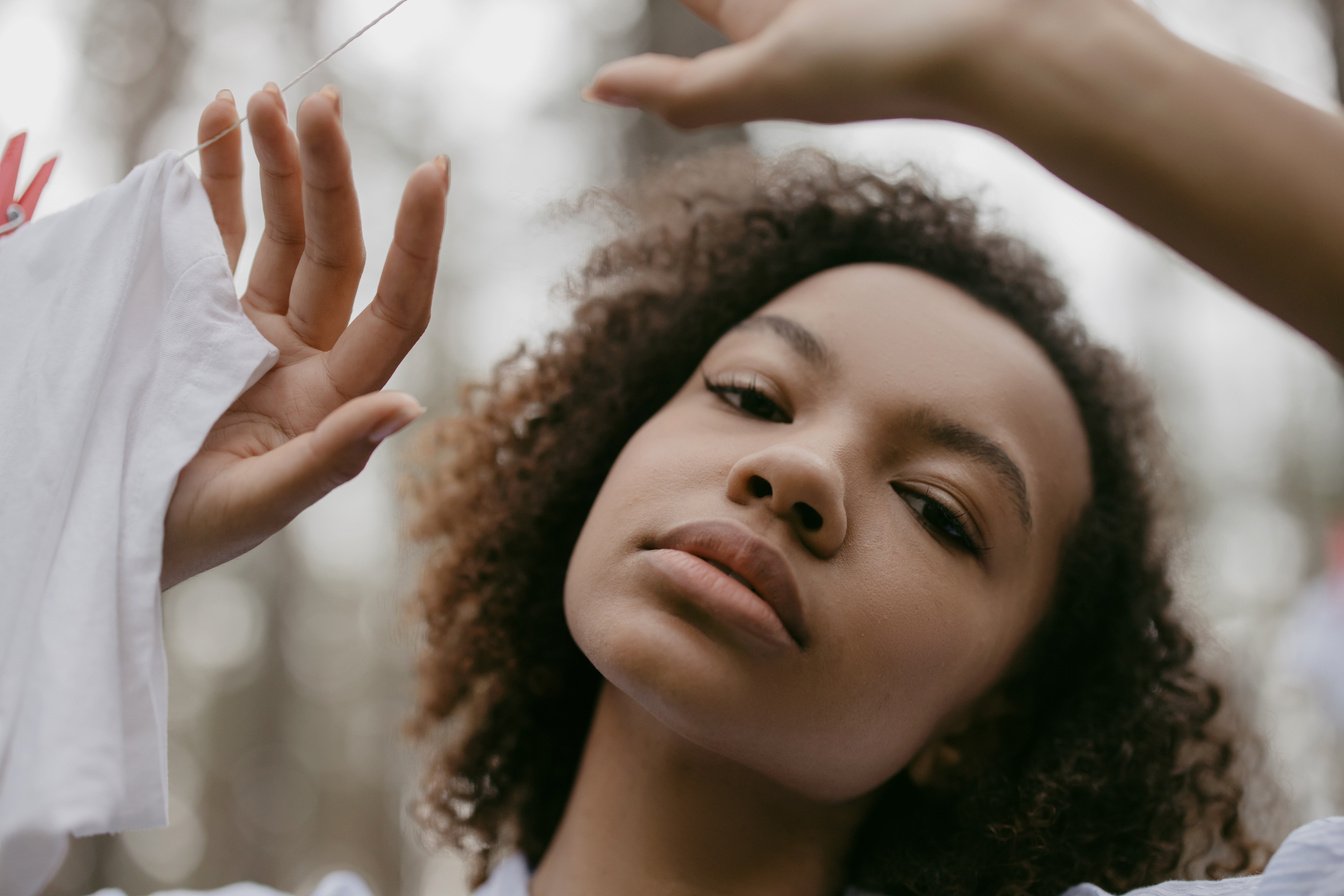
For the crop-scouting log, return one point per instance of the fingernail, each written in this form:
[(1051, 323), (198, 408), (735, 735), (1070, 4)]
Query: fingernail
[(274, 89), (444, 164), (396, 424), (592, 95), (335, 96), (225, 94)]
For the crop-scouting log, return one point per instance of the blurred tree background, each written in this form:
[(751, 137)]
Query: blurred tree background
[(291, 667)]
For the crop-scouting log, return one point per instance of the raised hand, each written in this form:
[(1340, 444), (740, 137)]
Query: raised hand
[(312, 422), (817, 60), (1240, 178)]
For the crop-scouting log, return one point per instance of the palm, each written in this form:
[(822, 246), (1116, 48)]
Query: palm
[(310, 422), (291, 398)]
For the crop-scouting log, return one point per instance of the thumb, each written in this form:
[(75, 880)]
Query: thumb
[(287, 480), (728, 84)]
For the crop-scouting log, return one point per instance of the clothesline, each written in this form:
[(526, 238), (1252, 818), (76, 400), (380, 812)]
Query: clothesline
[(299, 77)]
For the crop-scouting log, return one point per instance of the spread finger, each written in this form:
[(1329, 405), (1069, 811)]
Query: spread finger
[(222, 172), (333, 256), (281, 201), (377, 341)]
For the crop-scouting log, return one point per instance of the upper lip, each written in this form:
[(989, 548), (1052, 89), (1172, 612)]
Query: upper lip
[(753, 559)]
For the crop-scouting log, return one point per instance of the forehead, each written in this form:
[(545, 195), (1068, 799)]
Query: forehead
[(898, 338)]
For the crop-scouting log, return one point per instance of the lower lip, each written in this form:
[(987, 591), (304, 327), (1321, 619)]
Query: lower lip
[(720, 594)]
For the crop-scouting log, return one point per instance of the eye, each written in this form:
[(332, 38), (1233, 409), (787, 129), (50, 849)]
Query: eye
[(744, 394), (943, 521)]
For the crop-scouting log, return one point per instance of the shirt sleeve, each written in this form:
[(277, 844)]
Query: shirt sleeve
[(338, 883), (1309, 863), (121, 342)]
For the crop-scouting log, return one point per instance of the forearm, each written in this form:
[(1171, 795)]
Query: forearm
[(1244, 181)]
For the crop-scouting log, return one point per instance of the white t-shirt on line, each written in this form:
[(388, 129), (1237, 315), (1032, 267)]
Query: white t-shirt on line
[(121, 342)]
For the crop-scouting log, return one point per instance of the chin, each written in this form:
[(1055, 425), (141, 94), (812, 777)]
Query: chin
[(685, 679)]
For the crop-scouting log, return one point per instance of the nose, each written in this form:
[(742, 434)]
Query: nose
[(800, 487)]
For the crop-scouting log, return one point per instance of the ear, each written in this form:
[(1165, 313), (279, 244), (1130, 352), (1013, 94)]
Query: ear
[(964, 744)]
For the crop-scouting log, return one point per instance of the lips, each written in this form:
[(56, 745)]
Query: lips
[(746, 557)]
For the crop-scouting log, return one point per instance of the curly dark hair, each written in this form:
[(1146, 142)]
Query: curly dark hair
[(1110, 767)]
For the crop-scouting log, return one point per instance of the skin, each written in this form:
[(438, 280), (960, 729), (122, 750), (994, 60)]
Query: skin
[(718, 765)]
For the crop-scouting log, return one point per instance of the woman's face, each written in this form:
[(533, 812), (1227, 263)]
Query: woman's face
[(875, 447)]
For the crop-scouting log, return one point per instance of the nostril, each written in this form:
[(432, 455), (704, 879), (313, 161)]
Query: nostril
[(810, 519), (759, 487)]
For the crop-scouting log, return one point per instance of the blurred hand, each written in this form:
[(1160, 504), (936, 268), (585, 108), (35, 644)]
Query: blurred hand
[(820, 60), (312, 422)]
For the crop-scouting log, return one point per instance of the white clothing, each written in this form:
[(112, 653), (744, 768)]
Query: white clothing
[(121, 342), (1309, 863), (339, 883)]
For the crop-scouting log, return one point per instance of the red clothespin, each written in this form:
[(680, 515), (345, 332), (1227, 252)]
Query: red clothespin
[(17, 212)]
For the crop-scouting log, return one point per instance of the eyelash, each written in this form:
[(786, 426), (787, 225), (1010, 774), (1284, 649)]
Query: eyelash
[(947, 522), (742, 394), (747, 394)]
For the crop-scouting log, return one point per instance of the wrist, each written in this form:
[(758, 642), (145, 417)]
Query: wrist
[(1035, 65)]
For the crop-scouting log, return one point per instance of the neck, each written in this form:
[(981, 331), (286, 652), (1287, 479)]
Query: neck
[(652, 813)]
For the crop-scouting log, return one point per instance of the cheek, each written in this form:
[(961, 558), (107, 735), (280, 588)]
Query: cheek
[(913, 648), (646, 489), (593, 575)]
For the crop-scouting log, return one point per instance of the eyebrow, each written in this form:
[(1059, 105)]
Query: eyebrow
[(967, 442), (932, 424), (800, 338)]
